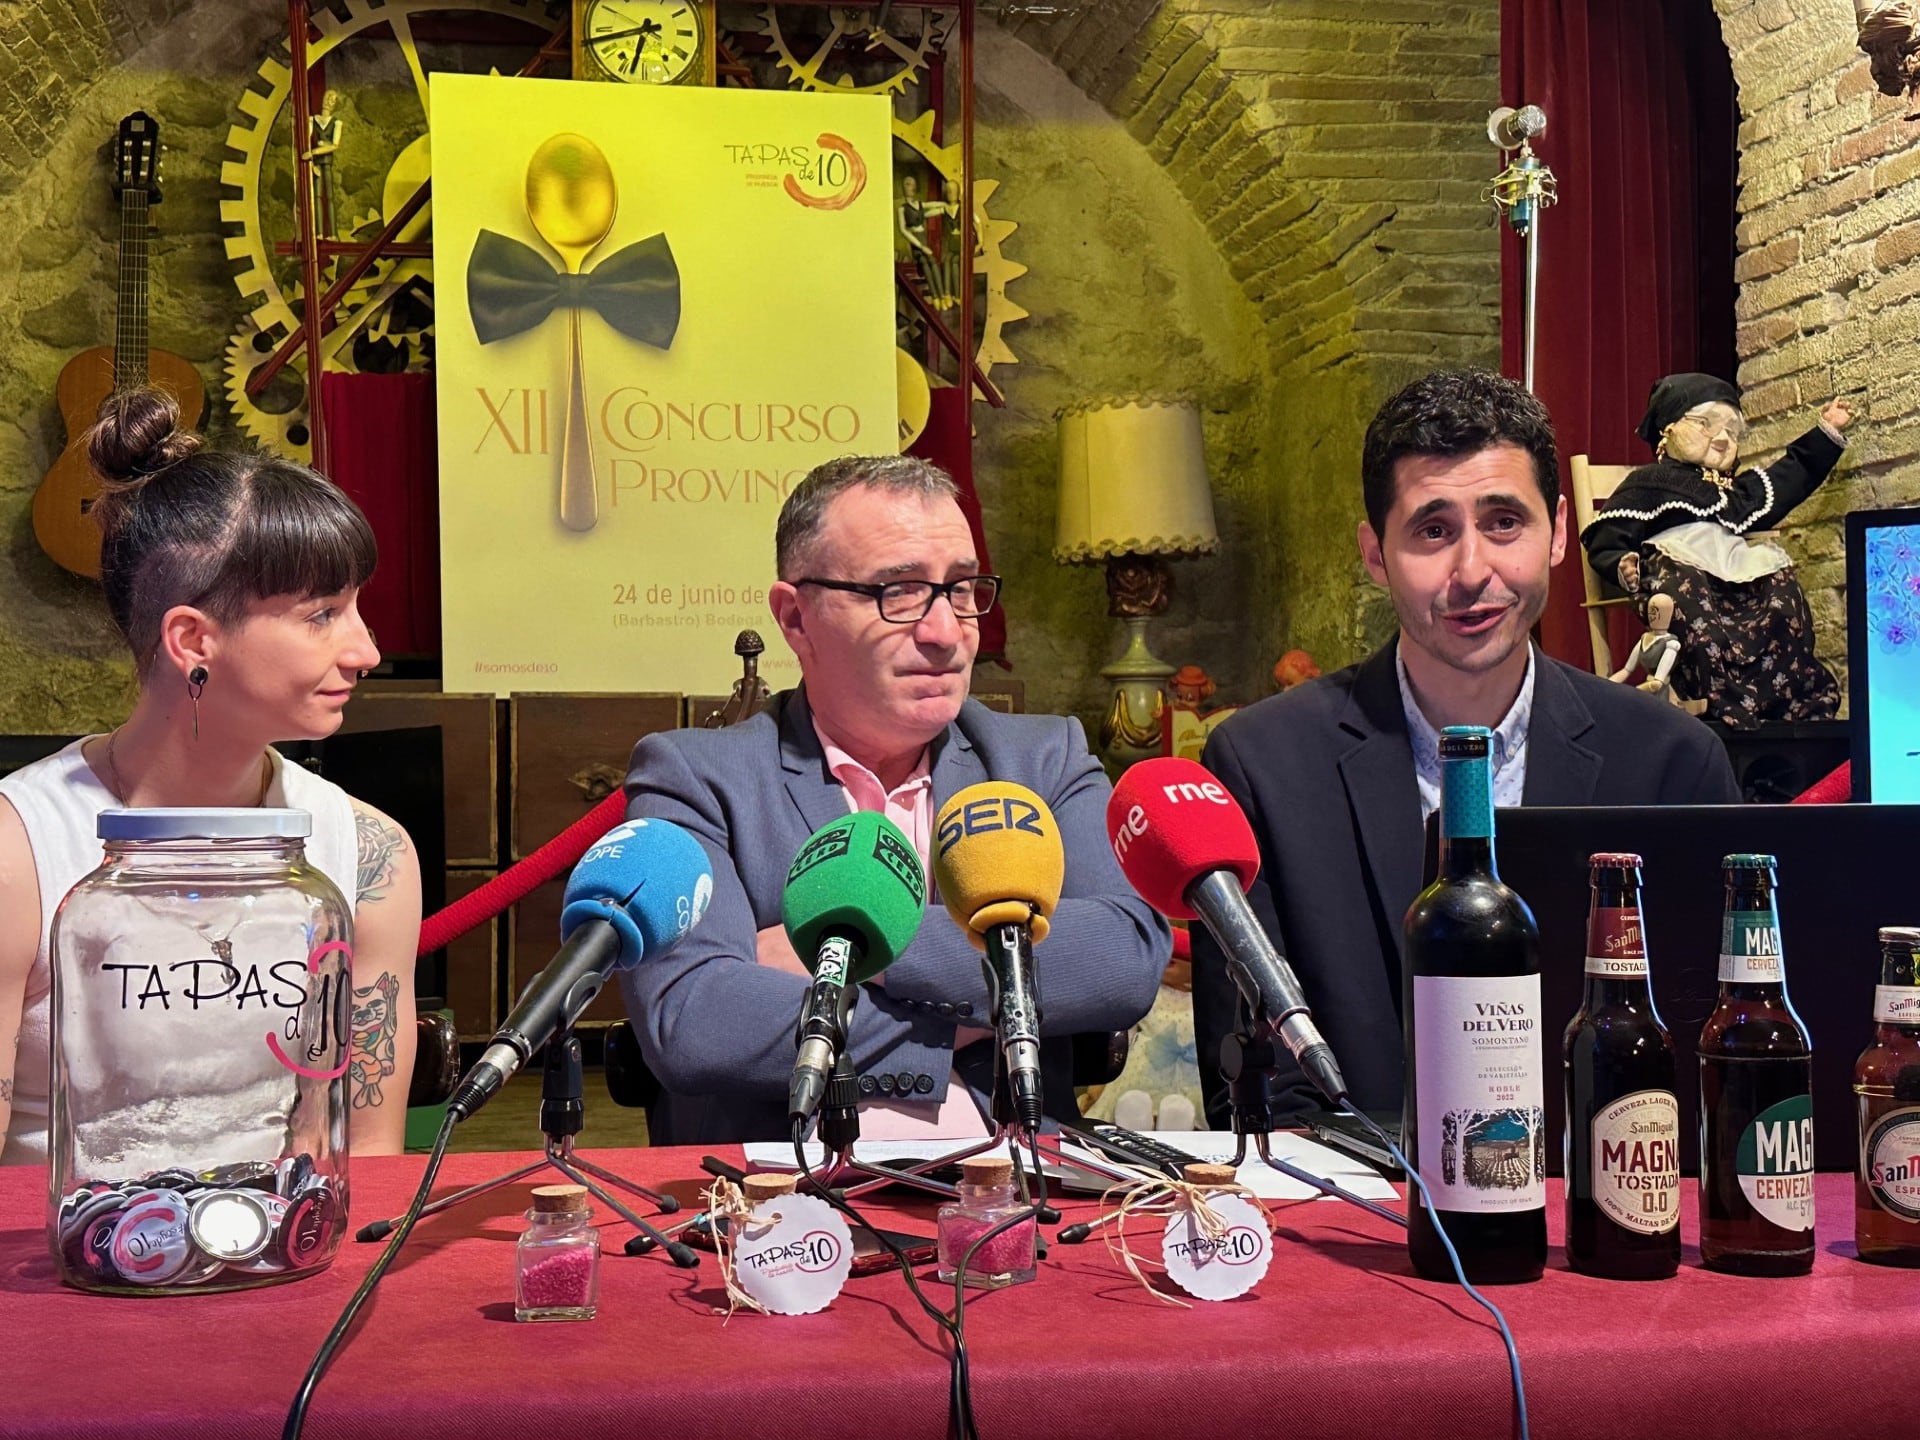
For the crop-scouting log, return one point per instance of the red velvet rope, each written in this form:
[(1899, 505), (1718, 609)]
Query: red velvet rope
[(1835, 789), (518, 881), (561, 852)]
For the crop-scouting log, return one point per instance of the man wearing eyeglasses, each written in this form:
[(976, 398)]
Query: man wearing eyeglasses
[(879, 596)]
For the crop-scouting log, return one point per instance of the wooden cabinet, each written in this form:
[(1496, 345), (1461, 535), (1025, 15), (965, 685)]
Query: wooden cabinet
[(473, 965), (568, 753), (468, 741)]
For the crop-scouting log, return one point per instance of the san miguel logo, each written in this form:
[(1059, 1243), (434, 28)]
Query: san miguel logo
[(827, 175)]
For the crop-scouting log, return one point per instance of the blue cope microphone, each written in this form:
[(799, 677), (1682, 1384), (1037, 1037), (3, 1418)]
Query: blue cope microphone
[(643, 885)]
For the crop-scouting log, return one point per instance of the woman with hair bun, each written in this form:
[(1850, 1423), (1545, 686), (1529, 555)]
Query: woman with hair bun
[(234, 578)]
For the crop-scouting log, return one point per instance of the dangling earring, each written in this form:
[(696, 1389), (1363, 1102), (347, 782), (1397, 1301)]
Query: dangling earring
[(196, 682), (1660, 450)]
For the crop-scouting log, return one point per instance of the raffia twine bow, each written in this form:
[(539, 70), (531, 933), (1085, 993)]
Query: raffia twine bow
[(729, 1215)]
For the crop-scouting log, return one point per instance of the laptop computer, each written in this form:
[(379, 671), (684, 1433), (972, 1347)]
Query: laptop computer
[(1844, 871)]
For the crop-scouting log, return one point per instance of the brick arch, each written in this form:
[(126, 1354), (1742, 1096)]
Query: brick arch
[(1332, 152), (1828, 269), (1336, 156), (51, 53)]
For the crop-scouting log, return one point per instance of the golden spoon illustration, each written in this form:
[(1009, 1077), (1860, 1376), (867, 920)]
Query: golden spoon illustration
[(571, 199)]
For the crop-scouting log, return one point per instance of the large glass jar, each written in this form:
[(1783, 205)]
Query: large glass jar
[(202, 999)]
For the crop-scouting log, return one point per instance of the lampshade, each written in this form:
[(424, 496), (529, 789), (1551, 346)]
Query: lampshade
[(1133, 481)]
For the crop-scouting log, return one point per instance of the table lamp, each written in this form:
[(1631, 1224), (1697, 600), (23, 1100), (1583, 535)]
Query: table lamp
[(1133, 490)]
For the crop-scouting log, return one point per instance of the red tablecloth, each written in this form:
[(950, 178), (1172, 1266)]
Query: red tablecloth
[(1340, 1339)]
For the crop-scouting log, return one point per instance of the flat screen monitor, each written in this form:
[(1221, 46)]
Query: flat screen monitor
[(1883, 653)]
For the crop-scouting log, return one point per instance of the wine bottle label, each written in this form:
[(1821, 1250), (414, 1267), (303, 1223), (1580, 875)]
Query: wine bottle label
[(1616, 945), (1478, 1069), (1896, 1004), (1750, 948), (1775, 1163), (1890, 1163), (1636, 1161)]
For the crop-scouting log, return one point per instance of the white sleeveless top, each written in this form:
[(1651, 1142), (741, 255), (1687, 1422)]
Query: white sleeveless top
[(59, 800)]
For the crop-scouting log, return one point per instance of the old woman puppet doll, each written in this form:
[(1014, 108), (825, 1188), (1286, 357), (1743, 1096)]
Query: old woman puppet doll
[(1681, 526)]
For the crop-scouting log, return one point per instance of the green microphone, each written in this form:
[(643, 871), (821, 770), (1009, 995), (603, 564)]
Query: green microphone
[(856, 894)]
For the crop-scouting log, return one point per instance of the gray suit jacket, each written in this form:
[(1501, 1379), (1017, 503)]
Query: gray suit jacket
[(718, 1029)]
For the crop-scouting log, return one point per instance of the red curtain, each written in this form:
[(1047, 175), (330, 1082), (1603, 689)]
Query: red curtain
[(382, 441), (1636, 259), (948, 442)]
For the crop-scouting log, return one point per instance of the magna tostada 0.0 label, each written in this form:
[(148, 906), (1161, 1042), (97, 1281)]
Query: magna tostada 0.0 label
[(1636, 1161), (1775, 1163), (1890, 1163), (1478, 1069)]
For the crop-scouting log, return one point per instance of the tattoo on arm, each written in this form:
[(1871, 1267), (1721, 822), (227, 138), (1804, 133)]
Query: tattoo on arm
[(6, 1089), (376, 1024), (379, 843)]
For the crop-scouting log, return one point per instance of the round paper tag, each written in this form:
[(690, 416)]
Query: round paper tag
[(1222, 1267), (796, 1264)]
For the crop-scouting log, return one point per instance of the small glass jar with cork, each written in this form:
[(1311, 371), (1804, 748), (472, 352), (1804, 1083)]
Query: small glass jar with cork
[(557, 1262), (988, 1198)]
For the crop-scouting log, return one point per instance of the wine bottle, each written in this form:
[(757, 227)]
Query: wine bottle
[(1474, 1111)]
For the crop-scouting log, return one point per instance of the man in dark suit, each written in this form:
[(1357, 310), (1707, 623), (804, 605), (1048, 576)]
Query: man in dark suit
[(1464, 521), (879, 596)]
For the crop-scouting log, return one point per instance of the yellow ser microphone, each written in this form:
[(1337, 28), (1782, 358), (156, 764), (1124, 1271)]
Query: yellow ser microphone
[(999, 864)]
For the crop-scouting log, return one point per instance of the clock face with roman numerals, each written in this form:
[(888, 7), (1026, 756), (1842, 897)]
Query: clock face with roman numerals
[(646, 42)]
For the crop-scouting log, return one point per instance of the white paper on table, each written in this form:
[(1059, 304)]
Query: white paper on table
[(1348, 1172), (778, 1154)]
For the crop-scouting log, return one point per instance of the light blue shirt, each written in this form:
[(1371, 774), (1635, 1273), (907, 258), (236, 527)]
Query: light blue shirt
[(1509, 743)]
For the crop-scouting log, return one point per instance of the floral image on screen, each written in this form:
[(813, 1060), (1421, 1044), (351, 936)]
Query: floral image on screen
[(1893, 660)]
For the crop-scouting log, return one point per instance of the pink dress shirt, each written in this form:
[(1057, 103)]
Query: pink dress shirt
[(910, 806)]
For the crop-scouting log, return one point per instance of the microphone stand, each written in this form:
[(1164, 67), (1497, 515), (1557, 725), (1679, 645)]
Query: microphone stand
[(1522, 191), (1017, 1116), (1248, 1059), (563, 1116)]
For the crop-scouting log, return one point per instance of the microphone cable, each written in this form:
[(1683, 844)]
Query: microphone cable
[(1459, 1270), (297, 1412), (1029, 1216), (961, 1424)]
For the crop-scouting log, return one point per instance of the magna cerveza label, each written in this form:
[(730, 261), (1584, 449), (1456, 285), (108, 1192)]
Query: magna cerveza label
[(1775, 1163)]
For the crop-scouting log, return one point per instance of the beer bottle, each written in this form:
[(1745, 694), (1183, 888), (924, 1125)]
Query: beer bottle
[(1474, 1121), (1756, 1095), (1622, 1154), (1886, 1192)]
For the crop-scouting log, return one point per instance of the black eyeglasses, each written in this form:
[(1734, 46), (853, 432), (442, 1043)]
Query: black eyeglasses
[(908, 602)]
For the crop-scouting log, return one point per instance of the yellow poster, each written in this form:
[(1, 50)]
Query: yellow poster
[(656, 309)]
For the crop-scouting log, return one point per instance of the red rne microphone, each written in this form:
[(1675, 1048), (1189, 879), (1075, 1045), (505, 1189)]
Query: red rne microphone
[(1186, 847)]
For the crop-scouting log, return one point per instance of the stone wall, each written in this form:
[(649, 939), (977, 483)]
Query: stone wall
[(1335, 155), (1274, 209), (1829, 285)]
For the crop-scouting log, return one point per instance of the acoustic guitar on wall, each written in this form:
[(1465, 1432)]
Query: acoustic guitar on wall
[(60, 520)]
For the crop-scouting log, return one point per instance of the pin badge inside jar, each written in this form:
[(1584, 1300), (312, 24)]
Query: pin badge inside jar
[(201, 1013)]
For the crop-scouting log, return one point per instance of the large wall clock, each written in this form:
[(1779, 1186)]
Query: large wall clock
[(644, 42)]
